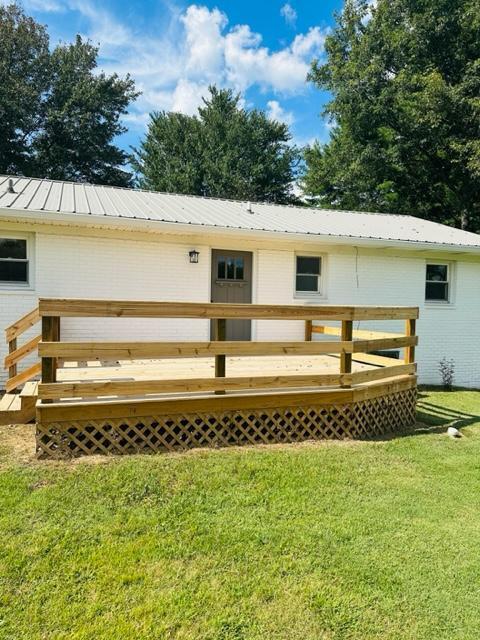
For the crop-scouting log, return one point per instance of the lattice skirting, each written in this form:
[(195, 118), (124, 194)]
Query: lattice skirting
[(362, 419)]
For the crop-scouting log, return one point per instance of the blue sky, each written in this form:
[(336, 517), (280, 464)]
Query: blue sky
[(174, 49)]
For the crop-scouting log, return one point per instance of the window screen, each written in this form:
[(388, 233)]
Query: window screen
[(13, 260), (437, 283), (308, 274)]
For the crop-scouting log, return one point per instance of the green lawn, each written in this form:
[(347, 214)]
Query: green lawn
[(325, 540)]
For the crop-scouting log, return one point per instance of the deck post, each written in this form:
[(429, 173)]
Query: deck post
[(50, 333), (346, 358), (308, 330), (12, 370), (410, 329), (220, 331)]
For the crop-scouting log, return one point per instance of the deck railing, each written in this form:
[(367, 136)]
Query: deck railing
[(17, 353), (351, 344)]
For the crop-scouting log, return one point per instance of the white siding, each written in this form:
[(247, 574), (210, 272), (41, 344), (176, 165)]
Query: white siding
[(79, 266), (451, 330), (76, 267)]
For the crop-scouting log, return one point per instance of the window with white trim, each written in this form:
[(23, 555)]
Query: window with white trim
[(437, 286), (308, 274), (14, 261)]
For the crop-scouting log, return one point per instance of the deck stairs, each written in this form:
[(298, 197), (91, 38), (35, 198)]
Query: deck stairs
[(18, 408), (17, 404)]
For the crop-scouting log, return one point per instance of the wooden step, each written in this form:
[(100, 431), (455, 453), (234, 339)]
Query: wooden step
[(30, 389), (17, 408), (10, 402)]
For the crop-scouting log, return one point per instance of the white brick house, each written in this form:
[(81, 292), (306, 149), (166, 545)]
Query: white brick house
[(65, 240)]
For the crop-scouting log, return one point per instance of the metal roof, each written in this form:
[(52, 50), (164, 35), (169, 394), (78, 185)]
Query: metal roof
[(51, 196)]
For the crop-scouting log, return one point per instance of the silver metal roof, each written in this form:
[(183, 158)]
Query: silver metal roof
[(50, 196)]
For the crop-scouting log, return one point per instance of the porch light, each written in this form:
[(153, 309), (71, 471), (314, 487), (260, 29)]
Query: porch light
[(193, 255)]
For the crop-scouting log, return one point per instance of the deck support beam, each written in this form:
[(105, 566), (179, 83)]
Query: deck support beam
[(50, 333), (346, 358), (220, 333), (410, 329)]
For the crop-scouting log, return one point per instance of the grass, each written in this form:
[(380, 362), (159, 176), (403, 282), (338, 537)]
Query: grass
[(330, 540)]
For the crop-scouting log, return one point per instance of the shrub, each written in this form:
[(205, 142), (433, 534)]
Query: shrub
[(447, 371)]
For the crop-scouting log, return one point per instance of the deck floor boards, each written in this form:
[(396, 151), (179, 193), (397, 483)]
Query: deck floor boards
[(200, 367)]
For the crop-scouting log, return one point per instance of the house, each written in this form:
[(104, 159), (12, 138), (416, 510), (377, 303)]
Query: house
[(60, 239)]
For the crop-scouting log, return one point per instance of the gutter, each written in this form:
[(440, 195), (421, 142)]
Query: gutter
[(180, 228)]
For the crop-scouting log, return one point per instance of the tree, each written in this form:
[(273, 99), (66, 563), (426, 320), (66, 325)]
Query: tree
[(405, 79), (225, 151), (24, 78), (169, 156), (64, 121)]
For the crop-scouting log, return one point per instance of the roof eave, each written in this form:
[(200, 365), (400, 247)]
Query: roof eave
[(180, 228)]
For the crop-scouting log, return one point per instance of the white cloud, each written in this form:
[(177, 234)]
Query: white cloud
[(248, 63), (174, 62), (187, 96), (289, 13), (276, 112), (203, 41)]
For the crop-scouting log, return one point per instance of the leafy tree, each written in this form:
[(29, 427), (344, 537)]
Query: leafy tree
[(61, 115), (224, 151), (169, 155), (24, 77), (405, 79)]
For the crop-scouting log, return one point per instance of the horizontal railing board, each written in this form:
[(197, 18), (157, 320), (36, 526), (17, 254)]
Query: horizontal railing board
[(24, 376), (65, 412), (146, 309), (20, 353), (58, 390), (20, 326), (357, 333), (139, 350), (138, 387), (379, 344), (374, 360)]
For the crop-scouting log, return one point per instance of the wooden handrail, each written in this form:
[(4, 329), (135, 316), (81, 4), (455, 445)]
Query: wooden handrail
[(351, 342), (21, 352), (139, 350), (24, 376), (20, 326), (67, 389), (366, 334), (16, 353), (72, 307)]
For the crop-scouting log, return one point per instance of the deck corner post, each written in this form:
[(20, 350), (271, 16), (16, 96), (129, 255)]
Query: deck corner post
[(219, 333), (308, 330), (410, 330), (50, 333), (346, 358)]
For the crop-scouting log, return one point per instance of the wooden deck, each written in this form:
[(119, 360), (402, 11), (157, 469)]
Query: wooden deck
[(121, 397)]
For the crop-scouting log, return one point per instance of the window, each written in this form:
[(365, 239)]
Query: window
[(230, 268), (437, 283), (13, 261), (308, 272)]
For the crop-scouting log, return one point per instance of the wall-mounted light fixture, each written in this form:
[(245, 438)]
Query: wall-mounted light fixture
[(193, 255)]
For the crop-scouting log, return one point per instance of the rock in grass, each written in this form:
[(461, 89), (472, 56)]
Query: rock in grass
[(453, 433)]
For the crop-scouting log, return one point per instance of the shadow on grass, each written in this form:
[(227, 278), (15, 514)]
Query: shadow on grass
[(434, 418)]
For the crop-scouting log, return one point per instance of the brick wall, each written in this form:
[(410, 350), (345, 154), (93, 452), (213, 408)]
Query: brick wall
[(445, 330), (75, 266)]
